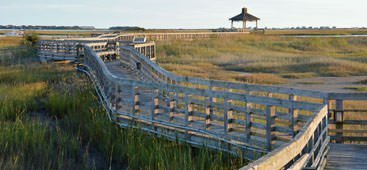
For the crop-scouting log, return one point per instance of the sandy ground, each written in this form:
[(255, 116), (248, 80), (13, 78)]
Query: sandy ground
[(328, 84)]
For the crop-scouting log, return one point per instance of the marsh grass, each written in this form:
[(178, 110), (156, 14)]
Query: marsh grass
[(10, 41), (318, 32), (226, 59)]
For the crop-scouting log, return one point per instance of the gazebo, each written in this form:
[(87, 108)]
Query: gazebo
[(244, 17)]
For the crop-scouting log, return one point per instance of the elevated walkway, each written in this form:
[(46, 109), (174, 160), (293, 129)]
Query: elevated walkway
[(278, 127), (347, 157)]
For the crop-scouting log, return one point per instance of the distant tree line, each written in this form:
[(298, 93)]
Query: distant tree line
[(46, 27), (126, 28)]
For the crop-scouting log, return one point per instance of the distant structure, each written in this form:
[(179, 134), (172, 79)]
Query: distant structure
[(244, 17), (15, 33)]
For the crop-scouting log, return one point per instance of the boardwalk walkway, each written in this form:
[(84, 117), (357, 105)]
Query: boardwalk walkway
[(280, 125), (347, 157), (122, 72)]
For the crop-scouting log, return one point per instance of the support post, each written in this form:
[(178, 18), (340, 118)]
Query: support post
[(155, 111), (230, 120), (244, 25), (208, 112), (118, 97), (190, 109), (294, 115), (136, 103), (339, 119), (172, 107), (270, 124), (249, 119)]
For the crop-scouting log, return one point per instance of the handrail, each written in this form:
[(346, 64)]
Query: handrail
[(302, 144)]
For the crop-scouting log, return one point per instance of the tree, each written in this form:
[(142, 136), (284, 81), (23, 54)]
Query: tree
[(31, 40)]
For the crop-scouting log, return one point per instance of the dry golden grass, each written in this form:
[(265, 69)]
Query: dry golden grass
[(10, 41), (317, 32), (287, 57)]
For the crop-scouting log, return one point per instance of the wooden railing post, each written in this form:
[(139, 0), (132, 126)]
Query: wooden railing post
[(208, 112), (249, 119), (136, 103), (113, 94), (118, 97), (172, 107), (209, 109), (230, 120), (109, 93), (155, 100), (339, 119), (270, 124), (294, 115), (225, 114), (190, 109), (156, 106), (327, 102)]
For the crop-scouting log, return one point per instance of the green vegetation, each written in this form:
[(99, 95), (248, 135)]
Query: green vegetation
[(282, 57), (50, 118), (363, 82), (31, 40)]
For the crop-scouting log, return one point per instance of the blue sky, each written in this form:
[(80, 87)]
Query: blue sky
[(183, 13)]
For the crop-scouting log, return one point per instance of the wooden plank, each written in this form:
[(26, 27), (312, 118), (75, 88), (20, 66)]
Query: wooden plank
[(342, 157)]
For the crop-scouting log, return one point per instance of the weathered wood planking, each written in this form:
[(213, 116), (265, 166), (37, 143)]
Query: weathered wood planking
[(347, 157)]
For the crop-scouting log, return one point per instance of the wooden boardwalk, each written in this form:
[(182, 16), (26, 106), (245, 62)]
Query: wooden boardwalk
[(347, 157), (277, 124)]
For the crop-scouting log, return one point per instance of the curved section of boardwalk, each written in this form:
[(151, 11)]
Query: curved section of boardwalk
[(278, 127), (347, 157)]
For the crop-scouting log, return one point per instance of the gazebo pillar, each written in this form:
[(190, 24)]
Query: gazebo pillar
[(231, 24), (257, 24), (244, 25)]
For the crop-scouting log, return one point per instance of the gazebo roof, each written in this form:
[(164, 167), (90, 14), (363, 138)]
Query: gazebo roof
[(244, 16)]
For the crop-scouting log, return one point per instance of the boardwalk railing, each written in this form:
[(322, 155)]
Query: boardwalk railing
[(284, 127), (167, 110), (348, 118), (306, 151), (312, 139)]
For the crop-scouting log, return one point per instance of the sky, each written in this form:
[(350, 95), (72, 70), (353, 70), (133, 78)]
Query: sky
[(185, 14)]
